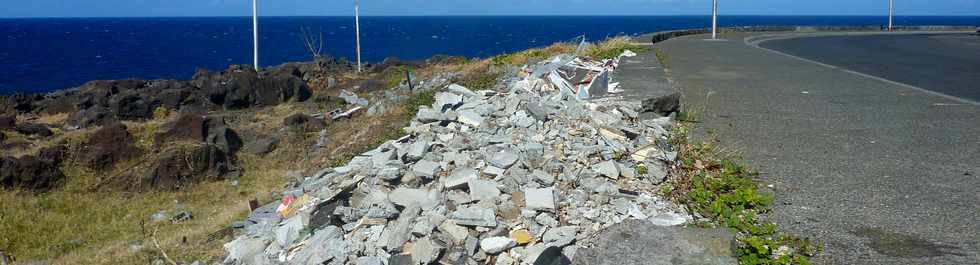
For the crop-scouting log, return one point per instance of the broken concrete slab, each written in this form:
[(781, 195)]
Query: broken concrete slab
[(330, 247), (503, 159), (540, 199), (475, 216), (398, 232), (424, 251), (461, 90), (607, 168), (447, 101), (560, 236), (460, 177), (426, 168), (458, 233), (494, 245), (483, 190), (470, 118), (406, 197)]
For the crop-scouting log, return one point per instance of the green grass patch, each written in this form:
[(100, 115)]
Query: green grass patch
[(423, 98), (480, 80), (612, 48), (394, 76), (722, 189)]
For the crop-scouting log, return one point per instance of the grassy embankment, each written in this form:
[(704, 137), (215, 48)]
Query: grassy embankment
[(715, 183), (75, 224)]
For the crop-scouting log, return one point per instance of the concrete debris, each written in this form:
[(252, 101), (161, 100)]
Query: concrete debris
[(461, 177), (483, 190), (522, 175), (425, 251), (475, 216), (353, 99), (608, 169), (470, 118), (503, 159), (426, 169), (540, 199), (447, 101), (340, 114), (494, 245)]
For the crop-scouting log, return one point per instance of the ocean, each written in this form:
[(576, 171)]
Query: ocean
[(40, 55)]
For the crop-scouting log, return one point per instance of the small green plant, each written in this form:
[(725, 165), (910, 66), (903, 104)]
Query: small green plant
[(481, 80), (663, 57), (389, 134), (620, 155), (394, 76), (340, 160), (642, 169), (726, 192), (161, 112), (423, 98), (688, 116), (612, 48)]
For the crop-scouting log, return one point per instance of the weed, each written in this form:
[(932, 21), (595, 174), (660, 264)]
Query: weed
[(620, 155), (663, 57), (725, 191), (642, 169), (612, 48), (481, 79), (161, 112), (424, 98)]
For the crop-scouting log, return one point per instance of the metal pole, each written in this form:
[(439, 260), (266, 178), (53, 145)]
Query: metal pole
[(714, 19), (357, 28), (890, 14), (255, 34)]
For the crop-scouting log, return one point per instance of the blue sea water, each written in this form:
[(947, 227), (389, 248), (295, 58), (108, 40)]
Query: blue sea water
[(38, 55)]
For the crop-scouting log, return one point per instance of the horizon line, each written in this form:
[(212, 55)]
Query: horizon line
[(500, 15)]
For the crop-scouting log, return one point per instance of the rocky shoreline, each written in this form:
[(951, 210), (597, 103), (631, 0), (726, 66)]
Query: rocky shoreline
[(201, 104)]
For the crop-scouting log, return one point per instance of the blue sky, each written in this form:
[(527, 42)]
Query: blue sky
[(157, 8)]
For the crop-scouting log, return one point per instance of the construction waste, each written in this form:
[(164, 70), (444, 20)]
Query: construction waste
[(524, 176)]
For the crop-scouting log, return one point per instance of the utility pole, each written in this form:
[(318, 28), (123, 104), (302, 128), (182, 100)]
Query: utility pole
[(357, 29), (714, 19), (890, 14), (255, 34)]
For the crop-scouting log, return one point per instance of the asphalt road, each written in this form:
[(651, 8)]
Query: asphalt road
[(945, 63), (877, 172)]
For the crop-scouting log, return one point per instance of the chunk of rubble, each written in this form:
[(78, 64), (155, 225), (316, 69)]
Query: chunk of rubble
[(494, 245), (460, 177), (398, 232), (483, 190), (425, 251), (561, 236), (475, 216), (503, 159), (447, 101), (461, 90), (470, 118), (426, 168), (607, 168), (458, 233), (329, 248), (540, 199)]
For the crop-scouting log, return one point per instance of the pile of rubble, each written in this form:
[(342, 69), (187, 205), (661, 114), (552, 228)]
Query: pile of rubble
[(525, 176)]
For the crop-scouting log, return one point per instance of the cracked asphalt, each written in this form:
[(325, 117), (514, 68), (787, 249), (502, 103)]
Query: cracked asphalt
[(877, 172)]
